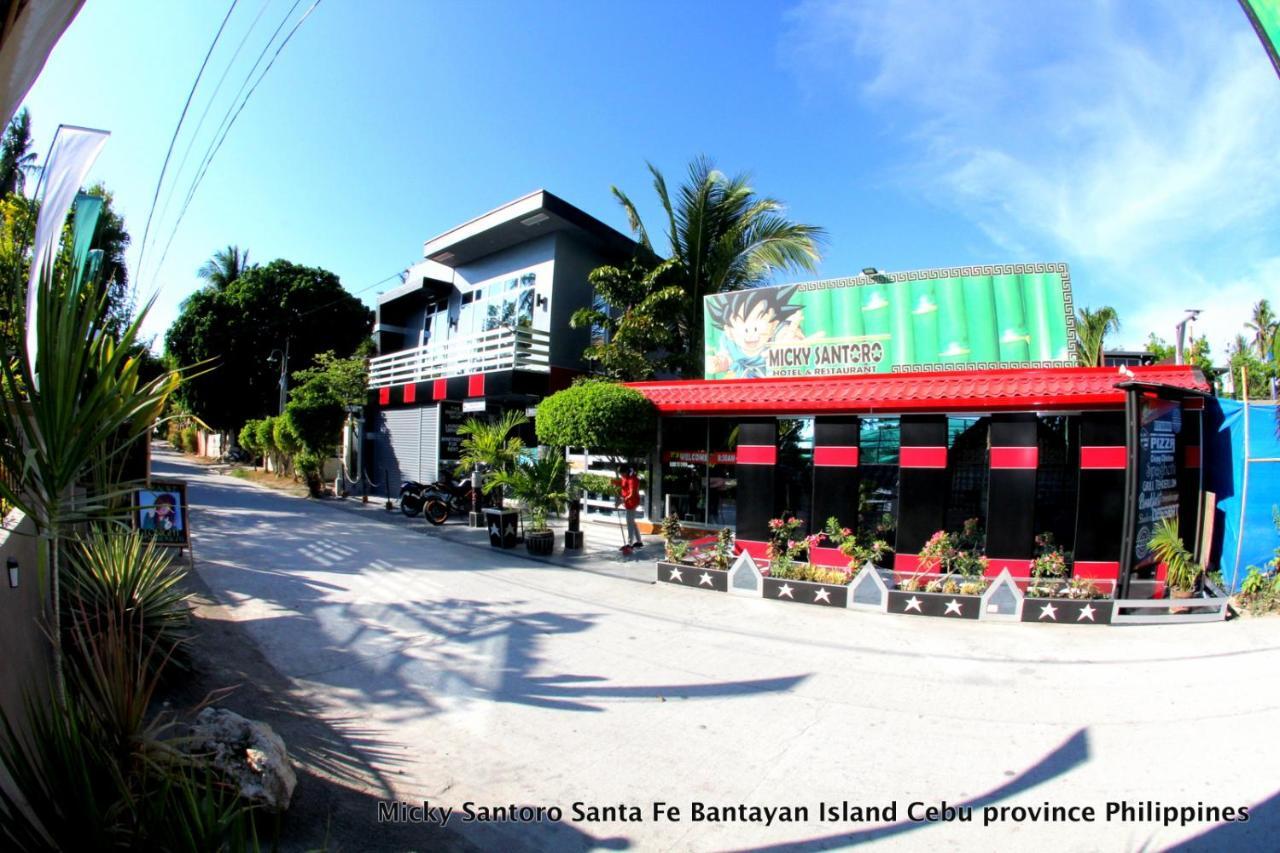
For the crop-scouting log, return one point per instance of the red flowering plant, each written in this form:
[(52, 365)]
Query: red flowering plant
[(956, 559), (1051, 573), (784, 546)]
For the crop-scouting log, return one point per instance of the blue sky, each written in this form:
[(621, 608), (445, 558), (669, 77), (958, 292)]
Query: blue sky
[(1136, 145)]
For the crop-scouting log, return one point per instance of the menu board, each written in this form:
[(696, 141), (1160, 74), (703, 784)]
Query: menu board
[(1157, 469), (451, 417)]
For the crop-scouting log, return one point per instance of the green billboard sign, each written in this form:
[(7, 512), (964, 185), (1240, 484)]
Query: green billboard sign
[(967, 318), (1265, 17)]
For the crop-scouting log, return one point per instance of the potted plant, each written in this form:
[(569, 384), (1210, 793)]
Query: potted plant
[(1181, 570), (490, 448), (791, 578), (1054, 596), (687, 565), (539, 486), (949, 579)]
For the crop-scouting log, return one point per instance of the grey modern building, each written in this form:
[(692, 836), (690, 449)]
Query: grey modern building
[(481, 324)]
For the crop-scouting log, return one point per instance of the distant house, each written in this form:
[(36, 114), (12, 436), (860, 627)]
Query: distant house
[(481, 324)]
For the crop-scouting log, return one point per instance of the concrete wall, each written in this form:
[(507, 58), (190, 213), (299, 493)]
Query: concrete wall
[(27, 661), (574, 261)]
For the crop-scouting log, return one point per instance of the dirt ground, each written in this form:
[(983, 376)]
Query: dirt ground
[(334, 807)]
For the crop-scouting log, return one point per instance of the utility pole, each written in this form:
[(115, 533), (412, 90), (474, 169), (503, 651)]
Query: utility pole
[(1181, 332)]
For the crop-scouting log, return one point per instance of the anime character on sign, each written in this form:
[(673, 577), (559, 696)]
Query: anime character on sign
[(161, 516), (750, 322)]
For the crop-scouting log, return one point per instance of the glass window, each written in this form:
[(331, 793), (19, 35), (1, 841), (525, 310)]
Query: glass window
[(967, 442), (722, 482), (684, 468), (878, 466), (1058, 478), (793, 477)]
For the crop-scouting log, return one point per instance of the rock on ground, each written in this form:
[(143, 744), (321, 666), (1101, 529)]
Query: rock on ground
[(248, 753)]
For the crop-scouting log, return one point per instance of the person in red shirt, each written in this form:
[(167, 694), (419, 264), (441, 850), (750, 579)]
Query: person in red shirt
[(629, 493)]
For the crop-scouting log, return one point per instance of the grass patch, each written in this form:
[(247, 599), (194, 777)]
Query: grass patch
[(288, 485)]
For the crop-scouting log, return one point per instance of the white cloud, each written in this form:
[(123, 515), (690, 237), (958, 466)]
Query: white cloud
[(1137, 144)]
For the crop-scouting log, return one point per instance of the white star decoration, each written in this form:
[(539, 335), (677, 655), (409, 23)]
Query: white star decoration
[(786, 590), (822, 595), (494, 531), (706, 579), (1086, 612), (1049, 612), (676, 576), (953, 606), (913, 603)]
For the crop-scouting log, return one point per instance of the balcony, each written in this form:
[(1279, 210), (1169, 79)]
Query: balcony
[(505, 348)]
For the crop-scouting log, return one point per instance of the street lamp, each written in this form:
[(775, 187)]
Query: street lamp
[(283, 358), (1192, 314)]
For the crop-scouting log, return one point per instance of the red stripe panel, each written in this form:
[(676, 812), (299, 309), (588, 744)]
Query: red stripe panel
[(1019, 568), (1193, 404), (922, 457), (1108, 458), (475, 385), (410, 393), (439, 389), (757, 454), (1015, 458), (757, 550), (835, 457), (1192, 457), (828, 557), (1097, 570), (904, 566), (384, 396)]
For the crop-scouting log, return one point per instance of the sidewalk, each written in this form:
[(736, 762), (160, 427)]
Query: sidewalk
[(600, 553)]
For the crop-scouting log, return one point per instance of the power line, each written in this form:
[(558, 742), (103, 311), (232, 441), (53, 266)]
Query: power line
[(209, 161), (186, 154), (142, 250), (395, 274)]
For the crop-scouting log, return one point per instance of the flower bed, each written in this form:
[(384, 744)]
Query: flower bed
[(702, 563)]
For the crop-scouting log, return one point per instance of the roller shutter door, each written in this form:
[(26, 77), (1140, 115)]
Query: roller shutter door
[(407, 445)]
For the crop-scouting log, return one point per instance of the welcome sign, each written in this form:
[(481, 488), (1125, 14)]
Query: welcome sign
[(965, 318)]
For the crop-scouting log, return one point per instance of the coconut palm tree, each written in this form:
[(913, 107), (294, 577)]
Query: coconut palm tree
[(722, 236), (1264, 327), (225, 266), (16, 156), (1092, 328)]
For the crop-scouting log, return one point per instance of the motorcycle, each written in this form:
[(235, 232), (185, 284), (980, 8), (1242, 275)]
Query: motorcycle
[(412, 497), (445, 496)]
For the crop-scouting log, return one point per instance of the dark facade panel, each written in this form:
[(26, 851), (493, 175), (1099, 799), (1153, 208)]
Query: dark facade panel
[(835, 470), (1011, 489), (922, 491)]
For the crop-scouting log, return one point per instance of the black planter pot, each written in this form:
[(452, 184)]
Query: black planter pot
[(935, 604), (1067, 611), (807, 592), (683, 574), (540, 542)]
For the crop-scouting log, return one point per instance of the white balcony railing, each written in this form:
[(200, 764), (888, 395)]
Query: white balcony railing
[(500, 349)]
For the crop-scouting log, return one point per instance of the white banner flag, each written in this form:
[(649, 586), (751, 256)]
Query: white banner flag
[(73, 151)]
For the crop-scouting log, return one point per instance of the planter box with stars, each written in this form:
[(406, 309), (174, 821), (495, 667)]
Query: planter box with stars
[(683, 574), (806, 592), (935, 604), (1067, 611)]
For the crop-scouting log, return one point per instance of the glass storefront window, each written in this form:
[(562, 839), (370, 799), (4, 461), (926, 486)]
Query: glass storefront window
[(880, 439), (684, 468), (968, 440), (722, 482), (1058, 478), (793, 477)]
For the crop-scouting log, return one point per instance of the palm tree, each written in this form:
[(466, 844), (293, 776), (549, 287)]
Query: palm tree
[(16, 156), (722, 236), (1264, 327), (1092, 328), (225, 267), (489, 446)]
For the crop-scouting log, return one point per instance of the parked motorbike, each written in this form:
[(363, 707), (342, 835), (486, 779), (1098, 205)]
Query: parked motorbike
[(450, 495), (412, 497)]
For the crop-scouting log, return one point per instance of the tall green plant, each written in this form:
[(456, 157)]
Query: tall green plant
[(538, 485), (1181, 569), (77, 406), (1092, 328), (490, 446)]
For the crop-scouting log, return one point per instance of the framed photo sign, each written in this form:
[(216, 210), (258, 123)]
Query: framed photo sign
[(161, 514)]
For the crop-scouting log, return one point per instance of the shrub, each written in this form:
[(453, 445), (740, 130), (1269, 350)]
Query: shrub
[(599, 415), (784, 548)]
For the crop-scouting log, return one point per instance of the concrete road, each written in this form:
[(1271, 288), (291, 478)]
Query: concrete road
[(470, 675)]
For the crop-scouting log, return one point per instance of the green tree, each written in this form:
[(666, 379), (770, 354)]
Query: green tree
[(318, 406), (1264, 326), (236, 327), (16, 157), (1092, 328), (111, 237), (635, 319), (602, 416), (489, 446), (538, 484), (721, 236), (1196, 352), (225, 267)]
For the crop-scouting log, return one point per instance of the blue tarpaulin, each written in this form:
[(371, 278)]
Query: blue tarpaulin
[(1242, 469)]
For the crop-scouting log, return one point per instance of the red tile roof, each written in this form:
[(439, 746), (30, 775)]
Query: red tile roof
[(1059, 388)]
